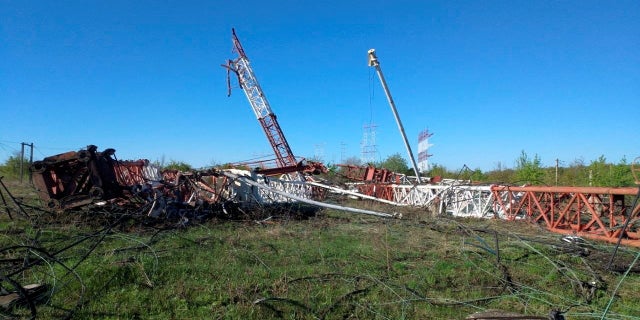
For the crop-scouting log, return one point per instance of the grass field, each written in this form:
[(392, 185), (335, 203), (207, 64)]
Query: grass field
[(330, 265)]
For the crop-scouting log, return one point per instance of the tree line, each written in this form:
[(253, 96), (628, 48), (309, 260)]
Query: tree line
[(528, 170)]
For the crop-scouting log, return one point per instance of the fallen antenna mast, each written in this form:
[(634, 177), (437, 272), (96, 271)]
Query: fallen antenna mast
[(260, 105)]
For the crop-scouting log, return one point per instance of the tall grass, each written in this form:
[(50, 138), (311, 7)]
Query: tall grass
[(334, 265)]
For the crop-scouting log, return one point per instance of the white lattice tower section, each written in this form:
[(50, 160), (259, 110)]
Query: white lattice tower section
[(453, 197), (423, 150)]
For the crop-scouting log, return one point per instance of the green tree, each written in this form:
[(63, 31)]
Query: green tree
[(598, 175), (573, 175), (178, 165), (603, 174), (11, 166), (438, 170), (529, 170), (477, 175), (621, 174), (353, 161), (395, 163), (500, 174)]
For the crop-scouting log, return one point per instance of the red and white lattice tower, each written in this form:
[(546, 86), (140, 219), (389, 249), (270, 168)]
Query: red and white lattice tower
[(249, 84), (423, 148)]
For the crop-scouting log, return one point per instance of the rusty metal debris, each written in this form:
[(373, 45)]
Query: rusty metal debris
[(74, 179), (371, 174), (87, 177), (22, 295)]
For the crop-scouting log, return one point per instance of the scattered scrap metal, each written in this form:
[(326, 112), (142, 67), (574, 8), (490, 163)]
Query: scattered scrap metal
[(76, 179), (89, 177), (98, 181)]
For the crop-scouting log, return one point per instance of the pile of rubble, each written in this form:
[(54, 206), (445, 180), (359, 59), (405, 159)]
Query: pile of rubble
[(89, 177)]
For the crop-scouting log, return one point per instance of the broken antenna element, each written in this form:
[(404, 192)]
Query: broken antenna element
[(285, 160)]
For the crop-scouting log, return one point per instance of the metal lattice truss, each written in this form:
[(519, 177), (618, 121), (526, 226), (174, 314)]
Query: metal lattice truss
[(239, 189), (260, 105), (452, 198), (598, 213), (594, 212)]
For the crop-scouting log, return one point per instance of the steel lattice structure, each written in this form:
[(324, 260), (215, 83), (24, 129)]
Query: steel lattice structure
[(594, 212), (85, 177), (249, 84)]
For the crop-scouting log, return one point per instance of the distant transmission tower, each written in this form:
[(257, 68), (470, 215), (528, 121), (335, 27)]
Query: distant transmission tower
[(318, 152), (369, 149), (423, 148)]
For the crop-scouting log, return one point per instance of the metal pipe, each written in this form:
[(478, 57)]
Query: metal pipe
[(373, 62), (586, 190)]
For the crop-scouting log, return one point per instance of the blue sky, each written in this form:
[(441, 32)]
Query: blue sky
[(560, 79)]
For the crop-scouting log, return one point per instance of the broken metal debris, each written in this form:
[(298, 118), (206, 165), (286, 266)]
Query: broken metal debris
[(21, 296), (89, 177), (600, 213), (76, 179), (309, 201), (131, 190), (371, 174)]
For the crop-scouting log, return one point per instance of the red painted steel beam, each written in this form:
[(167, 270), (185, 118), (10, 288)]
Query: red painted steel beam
[(370, 174), (130, 173), (593, 212), (596, 190)]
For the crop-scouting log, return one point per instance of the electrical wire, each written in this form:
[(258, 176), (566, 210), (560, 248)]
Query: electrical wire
[(613, 295), (624, 228)]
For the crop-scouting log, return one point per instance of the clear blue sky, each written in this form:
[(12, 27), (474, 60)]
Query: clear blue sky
[(560, 79)]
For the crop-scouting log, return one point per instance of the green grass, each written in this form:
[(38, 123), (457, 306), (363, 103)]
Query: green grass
[(335, 265)]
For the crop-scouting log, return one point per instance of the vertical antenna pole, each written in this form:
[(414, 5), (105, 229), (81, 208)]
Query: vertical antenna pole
[(373, 62)]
